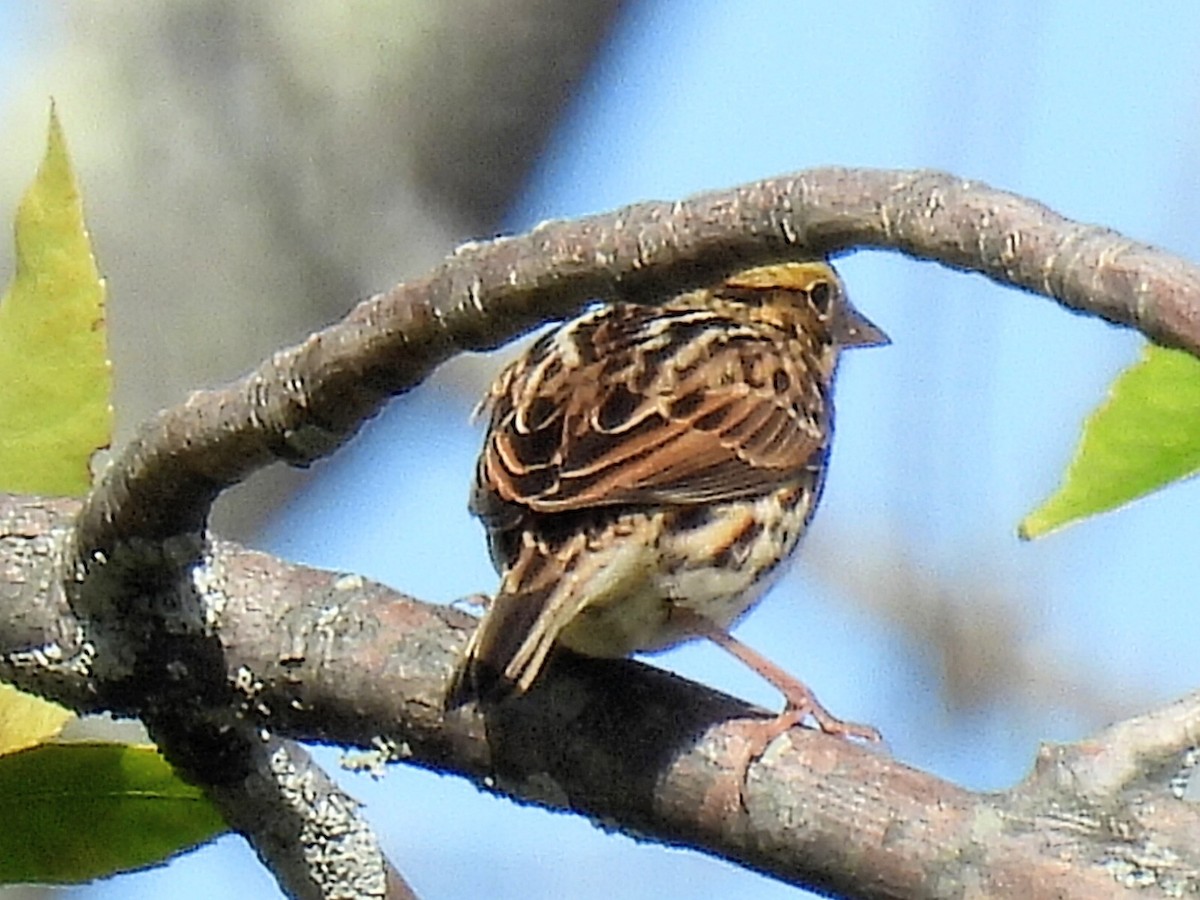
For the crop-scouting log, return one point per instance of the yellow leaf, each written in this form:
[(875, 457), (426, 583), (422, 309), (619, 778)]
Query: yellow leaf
[(55, 378), (26, 720)]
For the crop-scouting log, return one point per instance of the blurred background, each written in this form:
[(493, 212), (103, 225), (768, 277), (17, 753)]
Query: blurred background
[(251, 170)]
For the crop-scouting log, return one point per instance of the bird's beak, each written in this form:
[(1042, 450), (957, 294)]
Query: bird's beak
[(853, 329)]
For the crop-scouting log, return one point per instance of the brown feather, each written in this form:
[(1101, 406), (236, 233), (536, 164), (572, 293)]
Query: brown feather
[(618, 446)]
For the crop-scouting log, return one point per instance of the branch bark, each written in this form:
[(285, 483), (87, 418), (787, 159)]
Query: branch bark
[(147, 615), (331, 657)]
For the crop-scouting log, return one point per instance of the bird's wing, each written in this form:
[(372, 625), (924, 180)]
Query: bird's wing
[(635, 405)]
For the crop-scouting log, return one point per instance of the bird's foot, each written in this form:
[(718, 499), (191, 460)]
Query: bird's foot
[(755, 736)]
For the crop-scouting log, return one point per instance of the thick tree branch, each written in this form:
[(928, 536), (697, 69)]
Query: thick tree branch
[(323, 656)]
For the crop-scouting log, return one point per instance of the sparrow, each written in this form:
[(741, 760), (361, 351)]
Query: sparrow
[(648, 470)]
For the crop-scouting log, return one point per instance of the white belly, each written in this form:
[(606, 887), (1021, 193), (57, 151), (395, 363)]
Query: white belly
[(718, 570)]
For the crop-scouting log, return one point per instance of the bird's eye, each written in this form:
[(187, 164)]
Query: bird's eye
[(821, 294)]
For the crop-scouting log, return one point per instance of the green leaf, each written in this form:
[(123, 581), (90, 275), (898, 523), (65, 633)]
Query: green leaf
[(55, 378), (1143, 437), (78, 811)]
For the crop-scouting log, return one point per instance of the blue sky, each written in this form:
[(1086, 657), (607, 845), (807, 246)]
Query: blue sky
[(945, 439)]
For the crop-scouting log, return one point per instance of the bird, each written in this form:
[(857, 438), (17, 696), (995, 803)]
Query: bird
[(648, 470)]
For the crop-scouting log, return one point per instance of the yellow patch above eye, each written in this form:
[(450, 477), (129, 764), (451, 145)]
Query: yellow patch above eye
[(797, 276)]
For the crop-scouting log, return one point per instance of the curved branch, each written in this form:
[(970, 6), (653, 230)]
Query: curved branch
[(306, 401), (323, 656)]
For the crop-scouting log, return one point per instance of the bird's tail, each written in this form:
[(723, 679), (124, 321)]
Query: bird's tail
[(512, 642)]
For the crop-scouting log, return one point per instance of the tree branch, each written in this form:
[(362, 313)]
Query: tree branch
[(305, 401), (304, 828), (322, 656)]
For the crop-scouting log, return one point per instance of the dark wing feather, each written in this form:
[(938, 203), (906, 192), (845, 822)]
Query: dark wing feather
[(635, 405)]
